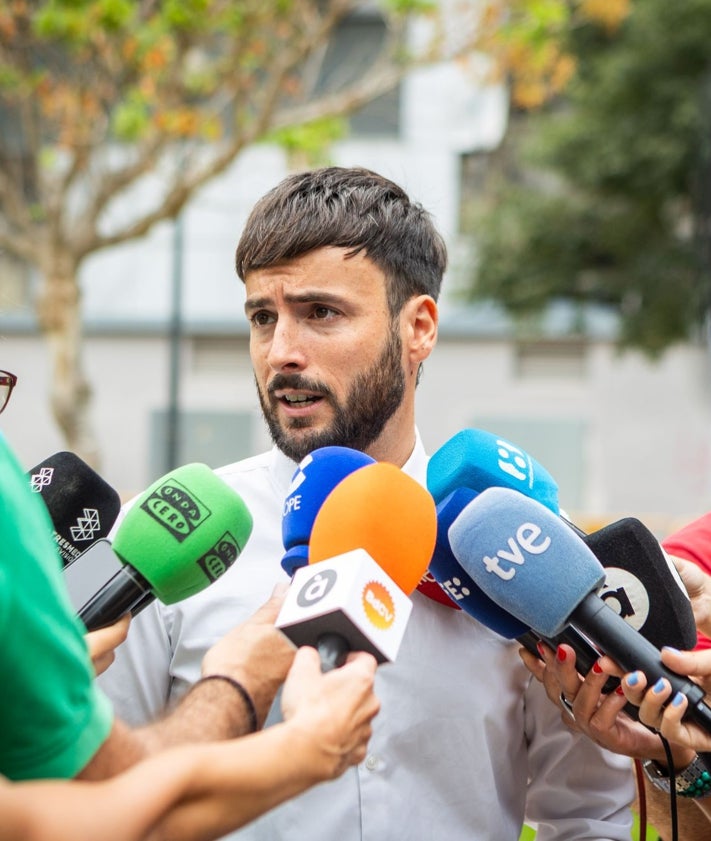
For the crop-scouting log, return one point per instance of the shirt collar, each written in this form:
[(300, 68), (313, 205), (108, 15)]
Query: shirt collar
[(282, 468)]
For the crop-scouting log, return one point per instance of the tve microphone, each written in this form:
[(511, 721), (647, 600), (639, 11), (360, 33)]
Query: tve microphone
[(476, 459), (465, 592), (529, 562), (455, 580), (370, 544), (316, 476), (82, 506), (182, 533)]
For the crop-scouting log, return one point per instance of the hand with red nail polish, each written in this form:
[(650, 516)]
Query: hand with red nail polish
[(586, 708)]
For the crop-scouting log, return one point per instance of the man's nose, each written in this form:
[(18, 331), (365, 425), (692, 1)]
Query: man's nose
[(287, 348)]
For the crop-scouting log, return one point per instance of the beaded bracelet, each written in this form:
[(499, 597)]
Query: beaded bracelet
[(693, 781), (246, 697)]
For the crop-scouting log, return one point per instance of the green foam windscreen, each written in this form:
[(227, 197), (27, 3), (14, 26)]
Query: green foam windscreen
[(184, 532)]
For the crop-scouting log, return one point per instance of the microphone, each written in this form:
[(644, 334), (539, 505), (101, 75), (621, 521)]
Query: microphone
[(476, 459), (82, 506), (182, 533), (462, 589), (315, 477), (370, 544), (642, 585), (458, 584), (531, 564)]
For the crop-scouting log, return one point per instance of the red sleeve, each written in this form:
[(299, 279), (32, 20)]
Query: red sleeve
[(693, 543)]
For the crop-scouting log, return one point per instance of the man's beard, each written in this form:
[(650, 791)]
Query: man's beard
[(374, 398)]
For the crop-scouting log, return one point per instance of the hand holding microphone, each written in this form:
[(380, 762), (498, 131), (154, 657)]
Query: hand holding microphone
[(534, 566), (102, 643), (182, 533)]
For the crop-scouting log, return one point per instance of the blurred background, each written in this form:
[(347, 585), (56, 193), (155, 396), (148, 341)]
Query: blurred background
[(562, 147)]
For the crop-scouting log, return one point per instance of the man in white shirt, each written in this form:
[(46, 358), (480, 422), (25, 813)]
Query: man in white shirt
[(342, 273)]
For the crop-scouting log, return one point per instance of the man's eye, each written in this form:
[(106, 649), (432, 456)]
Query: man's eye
[(259, 319), (324, 312)]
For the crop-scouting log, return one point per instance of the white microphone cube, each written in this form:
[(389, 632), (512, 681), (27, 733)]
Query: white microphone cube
[(349, 595)]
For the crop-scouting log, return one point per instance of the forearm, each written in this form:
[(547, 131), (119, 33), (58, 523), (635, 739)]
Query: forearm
[(126, 807), (211, 711), (704, 807), (236, 782), (693, 825)]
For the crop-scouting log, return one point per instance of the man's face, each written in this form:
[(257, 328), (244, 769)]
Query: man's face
[(327, 356)]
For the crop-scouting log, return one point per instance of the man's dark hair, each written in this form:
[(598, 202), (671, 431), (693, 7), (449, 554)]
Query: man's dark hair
[(348, 208)]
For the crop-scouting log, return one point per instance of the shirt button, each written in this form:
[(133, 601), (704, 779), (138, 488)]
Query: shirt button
[(371, 763)]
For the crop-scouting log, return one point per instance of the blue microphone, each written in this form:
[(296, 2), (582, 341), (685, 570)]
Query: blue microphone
[(476, 459), (457, 583), (314, 479), (532, 565)]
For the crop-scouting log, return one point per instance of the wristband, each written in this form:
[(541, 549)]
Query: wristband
[(246, 697), (694, 781)]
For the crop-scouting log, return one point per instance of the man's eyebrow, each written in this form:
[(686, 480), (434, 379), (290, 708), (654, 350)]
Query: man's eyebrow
[(307, 296)]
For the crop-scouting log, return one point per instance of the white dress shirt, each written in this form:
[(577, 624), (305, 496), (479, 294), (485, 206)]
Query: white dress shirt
[(466, 745)]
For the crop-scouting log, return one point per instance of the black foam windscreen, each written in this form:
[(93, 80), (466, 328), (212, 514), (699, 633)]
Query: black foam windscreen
[(82, 506), (642, 585)]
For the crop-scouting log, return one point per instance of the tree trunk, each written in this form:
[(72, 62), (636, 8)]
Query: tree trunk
[(59, 315)]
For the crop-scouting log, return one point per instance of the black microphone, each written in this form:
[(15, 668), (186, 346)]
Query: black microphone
[(642, 584), (82, 506)]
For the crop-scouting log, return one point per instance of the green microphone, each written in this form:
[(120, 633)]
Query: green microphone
[(182, 533)]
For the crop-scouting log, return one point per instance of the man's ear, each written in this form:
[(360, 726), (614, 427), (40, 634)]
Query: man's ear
[(420, 318)]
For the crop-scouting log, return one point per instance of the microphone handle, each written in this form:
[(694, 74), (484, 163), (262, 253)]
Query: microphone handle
[(633, 652), (144, 601), (333, 650), (121, 593), (529, 641)]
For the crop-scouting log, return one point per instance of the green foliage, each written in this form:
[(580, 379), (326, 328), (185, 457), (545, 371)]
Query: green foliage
[(310, 141), (611, 194), (402, 7)]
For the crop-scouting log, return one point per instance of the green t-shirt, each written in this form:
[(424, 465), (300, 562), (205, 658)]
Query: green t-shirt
[(53, 718)]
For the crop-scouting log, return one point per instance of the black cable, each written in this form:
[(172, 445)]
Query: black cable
[(672, 789)]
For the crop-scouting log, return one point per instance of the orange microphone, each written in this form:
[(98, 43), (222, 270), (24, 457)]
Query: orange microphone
[(371, 543)]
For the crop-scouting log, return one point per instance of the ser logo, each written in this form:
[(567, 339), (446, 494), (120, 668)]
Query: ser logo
[(626, 595)]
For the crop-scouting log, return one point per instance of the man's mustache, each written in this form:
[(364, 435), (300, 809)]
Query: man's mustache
[(297, 382)]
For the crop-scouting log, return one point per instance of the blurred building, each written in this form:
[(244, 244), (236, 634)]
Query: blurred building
[(623, 436)]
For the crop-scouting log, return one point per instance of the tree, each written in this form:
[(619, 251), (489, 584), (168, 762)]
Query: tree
[(606, 196), (98, 95)]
